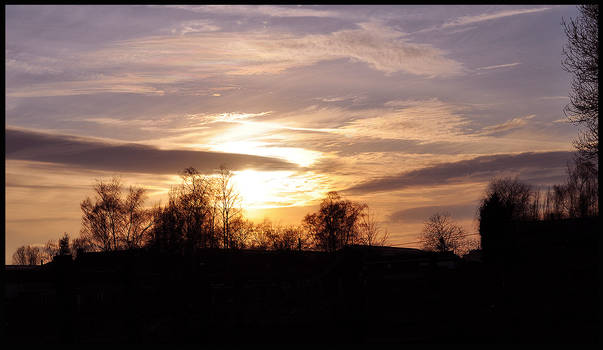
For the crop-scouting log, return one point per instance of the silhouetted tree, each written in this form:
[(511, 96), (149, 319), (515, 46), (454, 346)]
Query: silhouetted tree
[(203, 211), (228, 204), (50, 250), (64, 248), (335, 225), (262, 235), (441, 234), (291, 238), (19, 256), (80, 245), (578, 197), (168, 233), (187, 222), (111, 221), (369, 231), (506, 200), (27, 255), (269, 236), (194, 199), (240, 231), (581, 58)]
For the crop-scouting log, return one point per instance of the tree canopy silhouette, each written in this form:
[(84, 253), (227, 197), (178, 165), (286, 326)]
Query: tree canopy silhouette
[(506, 200), (335, 225), (581, 59), (112, 220), (441, 234)]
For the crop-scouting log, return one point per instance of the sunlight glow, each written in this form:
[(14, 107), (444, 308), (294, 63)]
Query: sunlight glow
[(300, 156), (274, 189)]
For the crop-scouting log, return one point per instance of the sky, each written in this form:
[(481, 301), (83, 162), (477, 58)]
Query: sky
[(410, 109)]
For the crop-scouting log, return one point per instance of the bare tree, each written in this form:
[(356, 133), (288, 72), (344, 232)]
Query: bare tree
[(19, 256), (194, 199), (27, 255), (269, 236), (228, 203), (335, 225), (80, 245), (262, 235), (34, 255), (291, 238), (188, 221), (112, 222), (578, 197), (50, 250), (441, 234), (581, 58), (369, 231)]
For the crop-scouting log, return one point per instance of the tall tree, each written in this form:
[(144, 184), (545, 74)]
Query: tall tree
[(369, 231), (581, 59), (111, 221), (578, 197), (19, 256), (27, 255), (441, 234), (64, 248), (506, 200), (335, 225), (229, 206)]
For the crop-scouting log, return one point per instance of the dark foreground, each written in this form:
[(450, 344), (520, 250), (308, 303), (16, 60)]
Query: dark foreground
[(359, 295)]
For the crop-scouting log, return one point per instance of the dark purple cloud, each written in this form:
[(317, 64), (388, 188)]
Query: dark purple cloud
[(420, 214), (93, 154), (536, 168)]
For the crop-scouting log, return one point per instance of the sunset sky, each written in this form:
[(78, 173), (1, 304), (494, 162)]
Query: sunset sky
[(411, 109)]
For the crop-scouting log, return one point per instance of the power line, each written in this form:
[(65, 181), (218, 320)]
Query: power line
[(422, 241)]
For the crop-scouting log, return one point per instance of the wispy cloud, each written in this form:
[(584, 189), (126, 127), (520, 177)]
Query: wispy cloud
[(451, 26), (380, 47), (198, 26), (421, 120), (514, 123), (169, 64), (461, 21), (499, 66), (257, 10)]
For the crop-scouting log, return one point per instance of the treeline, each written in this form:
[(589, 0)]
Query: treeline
[(203, 211), (508, 200)]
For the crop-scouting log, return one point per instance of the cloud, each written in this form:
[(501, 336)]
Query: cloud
[(255, 10), (261, 52), (194, 27), (125, 157), (33, 66), (382, 48), (476, 19), (461, 21), (420, 120), (500, 66), (529, 166), (420, 214), (514, 123), (158, 65), (229, 117)]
